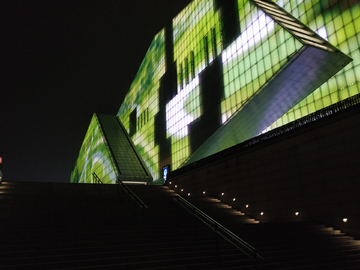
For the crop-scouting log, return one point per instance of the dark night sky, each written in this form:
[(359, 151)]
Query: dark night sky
[(61, 61)]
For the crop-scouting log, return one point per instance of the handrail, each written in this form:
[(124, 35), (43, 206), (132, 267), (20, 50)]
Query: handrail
[(225, 233), (97, 179), (98, 182), (131, 194)]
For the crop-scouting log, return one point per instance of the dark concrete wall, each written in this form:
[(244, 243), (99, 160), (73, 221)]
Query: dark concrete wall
[(313, 170)]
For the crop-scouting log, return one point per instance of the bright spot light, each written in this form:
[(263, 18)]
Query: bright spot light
[(182, 189), (344, 219), (222, 194), (170, 183), (262, 213), (188, 194), (203, 192), (175, 185), (296, 213), (247, 206), (234, 199)]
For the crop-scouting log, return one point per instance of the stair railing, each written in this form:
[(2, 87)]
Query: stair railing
[(99, 184), (125, 189), (220, 230)]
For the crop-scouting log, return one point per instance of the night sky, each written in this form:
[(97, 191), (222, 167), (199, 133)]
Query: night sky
[(61, 61)]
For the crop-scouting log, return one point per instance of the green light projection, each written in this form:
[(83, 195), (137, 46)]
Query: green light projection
[(197, 41), (341, 29), (143, 98), (262, 48), (256, 55), (94, 157), (194, 26)]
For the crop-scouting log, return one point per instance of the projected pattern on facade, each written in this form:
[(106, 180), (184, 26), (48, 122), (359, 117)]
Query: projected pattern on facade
[(196, 37), (260, 49), (94, 157), (342, 30), (142, 101)]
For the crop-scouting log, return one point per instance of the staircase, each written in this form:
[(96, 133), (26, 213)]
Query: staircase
[(74, 226), (287, 245)]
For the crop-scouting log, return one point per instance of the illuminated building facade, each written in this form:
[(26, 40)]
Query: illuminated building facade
[(222, 72)]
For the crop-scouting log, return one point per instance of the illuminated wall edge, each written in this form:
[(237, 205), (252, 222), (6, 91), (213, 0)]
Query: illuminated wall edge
[(187, 92)]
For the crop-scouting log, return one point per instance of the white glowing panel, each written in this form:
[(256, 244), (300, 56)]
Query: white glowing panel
[(177, 117)]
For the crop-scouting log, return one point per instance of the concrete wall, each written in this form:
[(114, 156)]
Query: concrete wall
[(314, 170)]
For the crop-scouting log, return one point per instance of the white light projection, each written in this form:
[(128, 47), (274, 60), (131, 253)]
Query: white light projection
[(177, 118), (257, 29), (322, 33)]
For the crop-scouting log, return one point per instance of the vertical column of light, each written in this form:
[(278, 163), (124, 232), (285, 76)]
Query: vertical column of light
[(341, 29), (191, 25), (254, 57), (195, 24)]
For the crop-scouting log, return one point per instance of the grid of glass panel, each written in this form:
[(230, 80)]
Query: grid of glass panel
[(341, 27), (196, 37), (93, 157), (197, 41), (262, 48), (143, 97)]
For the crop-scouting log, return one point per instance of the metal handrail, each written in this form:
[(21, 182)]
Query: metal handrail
[(225, 233), (97, 179), (131, 194), (98, 182)]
